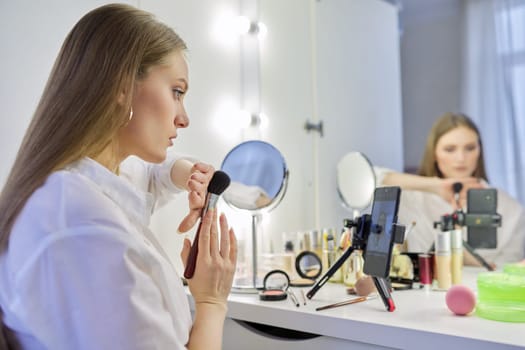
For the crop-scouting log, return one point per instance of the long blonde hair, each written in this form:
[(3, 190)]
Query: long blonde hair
[(87, 98), (445, 123)]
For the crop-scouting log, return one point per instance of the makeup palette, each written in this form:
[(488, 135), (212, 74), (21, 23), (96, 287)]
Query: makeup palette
[(275, 286)]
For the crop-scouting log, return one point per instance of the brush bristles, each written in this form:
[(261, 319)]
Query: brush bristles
[(219, 182)]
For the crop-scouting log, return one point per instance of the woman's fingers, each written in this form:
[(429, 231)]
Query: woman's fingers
[(214, 236), (225, 237), (212, 249), (233, 246), (204, 236)]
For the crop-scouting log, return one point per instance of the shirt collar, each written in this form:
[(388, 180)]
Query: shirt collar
[(137, 204)]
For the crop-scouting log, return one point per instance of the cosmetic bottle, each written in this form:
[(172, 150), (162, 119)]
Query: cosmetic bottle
[(289, 258), (307, 242), (444, 276), (456, 245), (354, 268), (330, 254), (315, 239)]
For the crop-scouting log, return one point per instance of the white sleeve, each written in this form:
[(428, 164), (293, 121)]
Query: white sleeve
[(153, 178), (91, 290), (380, 174)]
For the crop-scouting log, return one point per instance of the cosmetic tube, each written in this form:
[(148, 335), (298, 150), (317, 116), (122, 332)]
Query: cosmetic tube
[(456, 245), (330, 255), (444, 276), (353, 270), (317, 248)]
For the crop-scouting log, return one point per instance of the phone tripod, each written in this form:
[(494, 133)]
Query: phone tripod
[(362, 225)]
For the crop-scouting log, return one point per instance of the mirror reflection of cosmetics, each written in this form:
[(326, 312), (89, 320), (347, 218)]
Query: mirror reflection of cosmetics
[(309, 267), (275, 283)]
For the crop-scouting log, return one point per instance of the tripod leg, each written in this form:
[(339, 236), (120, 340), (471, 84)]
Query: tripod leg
[(329, 273), (384, 292)]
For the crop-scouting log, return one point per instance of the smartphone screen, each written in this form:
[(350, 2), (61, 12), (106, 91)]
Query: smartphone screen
[(482, 201), (380, 240)]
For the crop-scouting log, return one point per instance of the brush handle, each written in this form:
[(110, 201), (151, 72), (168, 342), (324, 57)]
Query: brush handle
[(211, 203), (192, 258), (343, 303)]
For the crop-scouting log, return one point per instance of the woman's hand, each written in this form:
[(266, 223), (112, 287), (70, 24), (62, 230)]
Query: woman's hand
[(446, 190), (216, 260), (197, 185), (211, 283)]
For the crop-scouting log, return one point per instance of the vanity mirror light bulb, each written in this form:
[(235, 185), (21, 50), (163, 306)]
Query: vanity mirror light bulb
[(243, 119), (242, 25), (262, 30), (263, 121), (228, 27)]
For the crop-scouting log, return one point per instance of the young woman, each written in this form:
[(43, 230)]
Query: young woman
[(79, 268), (453, 153)]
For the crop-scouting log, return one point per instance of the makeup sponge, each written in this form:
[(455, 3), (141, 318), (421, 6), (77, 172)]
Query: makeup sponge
[(364, 286), (460, 300)]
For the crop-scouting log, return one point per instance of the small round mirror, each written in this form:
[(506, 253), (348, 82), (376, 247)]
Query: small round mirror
[(308, 265), (356, 181), (258, 176)]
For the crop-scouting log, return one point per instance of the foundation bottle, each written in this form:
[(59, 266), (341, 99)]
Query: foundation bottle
[(353, 268), (456, 245), (316, 244), (330, 254), (443, 260)]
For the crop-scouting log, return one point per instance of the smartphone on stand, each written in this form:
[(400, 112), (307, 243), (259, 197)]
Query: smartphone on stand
[(381, 238), (482, 201)]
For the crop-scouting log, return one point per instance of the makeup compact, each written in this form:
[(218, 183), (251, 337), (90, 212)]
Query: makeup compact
[(275, 286), (309, 267)]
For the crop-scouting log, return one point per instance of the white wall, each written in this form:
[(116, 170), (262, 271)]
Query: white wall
[(31, 34), (430, 69)]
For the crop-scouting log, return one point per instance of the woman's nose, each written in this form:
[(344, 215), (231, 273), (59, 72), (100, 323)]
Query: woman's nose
[(181, 119), (461, 155)]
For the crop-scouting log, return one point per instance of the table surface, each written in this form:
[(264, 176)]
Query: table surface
[(421, 318)]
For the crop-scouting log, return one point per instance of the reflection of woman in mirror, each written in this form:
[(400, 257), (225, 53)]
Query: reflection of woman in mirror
[(79, 267), (453, 153), (245, 196)]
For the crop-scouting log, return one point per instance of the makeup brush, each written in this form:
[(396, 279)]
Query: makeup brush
[(457, 187), (218, 183)]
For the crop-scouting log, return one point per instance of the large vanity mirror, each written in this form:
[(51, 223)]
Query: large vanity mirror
[(259, 178), (356, 181)]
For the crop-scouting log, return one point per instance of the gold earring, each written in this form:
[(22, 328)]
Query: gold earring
[(130, 114)]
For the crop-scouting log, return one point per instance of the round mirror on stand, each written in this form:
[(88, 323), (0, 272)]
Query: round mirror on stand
[(259, 177), (356, 182)]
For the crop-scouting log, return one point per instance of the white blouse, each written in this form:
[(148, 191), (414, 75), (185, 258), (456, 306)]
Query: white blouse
[(424, 208), (82, 269)]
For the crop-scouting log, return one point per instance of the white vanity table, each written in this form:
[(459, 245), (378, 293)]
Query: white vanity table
[(421, 321)]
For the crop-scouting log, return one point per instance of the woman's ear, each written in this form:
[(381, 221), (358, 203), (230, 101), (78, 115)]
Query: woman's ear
[(121, 99)]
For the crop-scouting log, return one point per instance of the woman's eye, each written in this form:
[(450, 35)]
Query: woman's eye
[(178, 93)]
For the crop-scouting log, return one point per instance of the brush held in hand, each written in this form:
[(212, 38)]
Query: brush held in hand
[(218, 183)]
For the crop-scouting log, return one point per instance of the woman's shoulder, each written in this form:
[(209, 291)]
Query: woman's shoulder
[(505, 199), (66, 200)]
